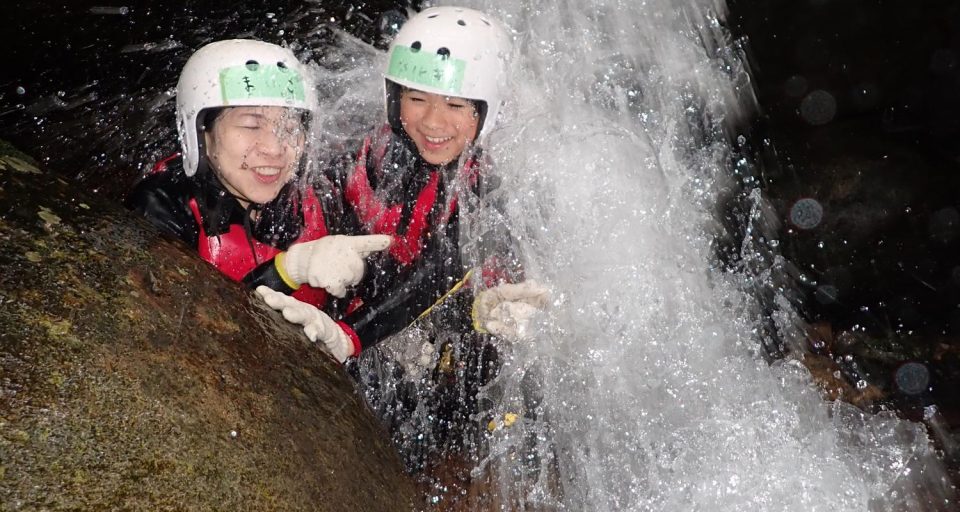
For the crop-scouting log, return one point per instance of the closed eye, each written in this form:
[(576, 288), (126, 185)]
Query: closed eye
[(250, 122)]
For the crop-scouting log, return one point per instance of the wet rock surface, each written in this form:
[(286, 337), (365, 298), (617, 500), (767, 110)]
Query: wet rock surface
[(134, 377)]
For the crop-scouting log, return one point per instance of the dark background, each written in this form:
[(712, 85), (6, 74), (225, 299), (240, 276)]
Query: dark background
[(881, 157), (859, 111)]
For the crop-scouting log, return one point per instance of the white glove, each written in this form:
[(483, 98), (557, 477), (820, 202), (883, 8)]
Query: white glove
[(506, 309), (333, 262), (316, 324)]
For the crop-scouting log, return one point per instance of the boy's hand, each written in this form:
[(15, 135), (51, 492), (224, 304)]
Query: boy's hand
[(316, 324), (332, 262), (505, 310)]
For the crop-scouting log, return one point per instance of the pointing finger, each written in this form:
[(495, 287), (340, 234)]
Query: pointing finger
[(366, 244)]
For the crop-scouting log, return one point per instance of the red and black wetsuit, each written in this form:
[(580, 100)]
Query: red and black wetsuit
[(202, 213), (389, 189)]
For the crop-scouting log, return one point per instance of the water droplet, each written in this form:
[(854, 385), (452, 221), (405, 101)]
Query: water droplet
[(21, 91), (806, 213), (912, 378), (106, 9), (818, 108), (826, 294)]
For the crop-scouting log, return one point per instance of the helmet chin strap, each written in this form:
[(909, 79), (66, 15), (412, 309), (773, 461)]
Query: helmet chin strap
[(205, 166), (251, 209)]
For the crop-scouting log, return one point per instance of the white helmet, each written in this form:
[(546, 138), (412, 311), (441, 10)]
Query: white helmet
[(452, 51), (237, 72)]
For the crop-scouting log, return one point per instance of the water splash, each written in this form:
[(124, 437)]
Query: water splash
[(644, 388), (653, 397)]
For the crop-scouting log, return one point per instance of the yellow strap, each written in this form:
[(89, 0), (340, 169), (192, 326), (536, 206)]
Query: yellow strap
[(453, 290), (278, 263)]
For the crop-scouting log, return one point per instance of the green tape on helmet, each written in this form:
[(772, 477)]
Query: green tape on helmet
[(257, 81), (429, 69)]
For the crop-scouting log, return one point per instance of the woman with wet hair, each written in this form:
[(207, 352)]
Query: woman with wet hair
[(236, 193)]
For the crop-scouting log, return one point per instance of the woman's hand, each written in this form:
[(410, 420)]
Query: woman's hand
[(333, 262), (317, 325), (505, 310)]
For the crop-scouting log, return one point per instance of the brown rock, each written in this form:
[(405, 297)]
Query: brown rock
[(133, 376)]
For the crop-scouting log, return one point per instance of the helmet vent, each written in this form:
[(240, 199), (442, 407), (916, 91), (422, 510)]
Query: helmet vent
[(281, 65), (486, 22), (252, 65), (415, 46), (444, 52), (432, 16), (462, 23)]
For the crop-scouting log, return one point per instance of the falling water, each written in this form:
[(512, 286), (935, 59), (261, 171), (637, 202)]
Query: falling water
[(654, 397), (644, 386)]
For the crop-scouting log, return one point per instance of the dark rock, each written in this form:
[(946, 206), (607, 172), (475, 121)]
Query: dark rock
[(133, 376)]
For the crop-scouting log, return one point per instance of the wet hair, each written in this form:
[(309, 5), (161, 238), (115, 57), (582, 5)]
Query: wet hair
[(208, 118)]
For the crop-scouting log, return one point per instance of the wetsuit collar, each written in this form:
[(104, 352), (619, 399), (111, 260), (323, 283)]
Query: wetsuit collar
[(278, 224)]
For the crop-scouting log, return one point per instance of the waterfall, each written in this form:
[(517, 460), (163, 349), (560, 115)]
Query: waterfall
[(644, 386), (652, 395)]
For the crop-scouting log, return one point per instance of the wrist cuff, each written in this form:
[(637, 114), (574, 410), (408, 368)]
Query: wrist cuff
[(278, 262), (475, 316), (268, 274), (357, 346)]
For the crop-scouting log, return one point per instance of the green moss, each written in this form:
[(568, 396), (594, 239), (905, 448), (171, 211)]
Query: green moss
[(15, 160)]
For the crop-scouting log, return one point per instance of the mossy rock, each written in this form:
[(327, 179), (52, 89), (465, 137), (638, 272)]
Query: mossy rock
[(133, 376), (12, 159)]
